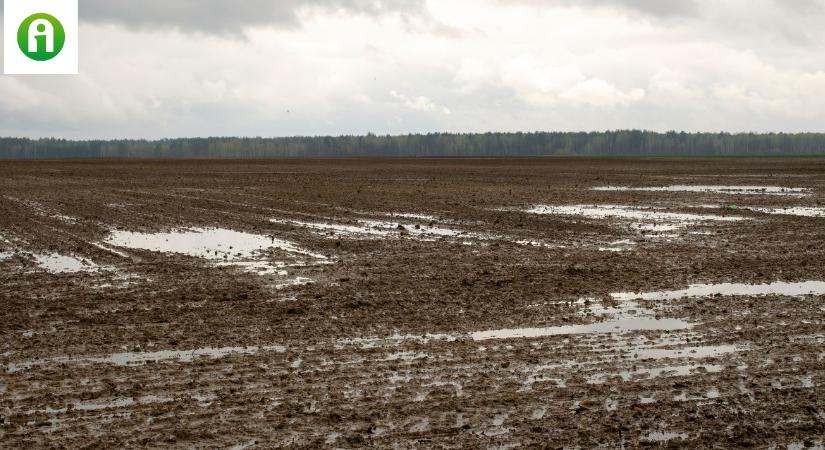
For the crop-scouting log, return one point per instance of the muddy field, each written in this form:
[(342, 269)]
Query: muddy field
[(558, 303)]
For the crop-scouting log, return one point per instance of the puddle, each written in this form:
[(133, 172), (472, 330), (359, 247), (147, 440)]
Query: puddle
[(629, 316), (413, 216), (498, 428), (618, 246), (223, 247), (713, 393), (332, 437), (56, 263), (259, 267), (66, 219), (627, 212), (727, 289), (663, 436), (818, 445), (647, 399), (109, 249), (655, 372), (733, 190), (800, 211), (119, 281), (52, 262), (537, 243), (207, 243), (394, 340), (140, 358), (807, 382), (111, 404), (298, 281), (382, 229), (6, 249), (429, 232), (644, 220), (421, 426), (610, 326), (624, 317), (711, 351)]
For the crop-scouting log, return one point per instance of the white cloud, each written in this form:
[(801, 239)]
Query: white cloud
[(418, 103), (599, 93), (546, 86), (671, 88)]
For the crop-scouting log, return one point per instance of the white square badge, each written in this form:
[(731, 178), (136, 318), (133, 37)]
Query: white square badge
[(40, 37)]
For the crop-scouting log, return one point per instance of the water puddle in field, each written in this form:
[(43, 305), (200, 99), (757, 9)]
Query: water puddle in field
[(141, 358), (537, 243), (224, 248), (733, 190), (425, 217), (394, 340), (611, 326), (103, 405), (635, 358), (710, 351), (259, 267), (807, 382), (799, 211), (6, 249), (618, 246), (207, 243), (56, 263), (611, 339), (382, 229), (297, 281), (66, 219), (617, 318), (426, 231), (730, 289), (627, 315), (624, 313), (643, 220), (813, 445), (52, 262), (655, 372), (663, 436)]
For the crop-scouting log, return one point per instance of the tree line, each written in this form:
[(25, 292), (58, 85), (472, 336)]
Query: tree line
[(609, 143)]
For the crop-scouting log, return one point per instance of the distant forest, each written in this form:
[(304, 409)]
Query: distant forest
[(610, 143)]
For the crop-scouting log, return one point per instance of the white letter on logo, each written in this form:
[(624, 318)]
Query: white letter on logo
[(41, 27)]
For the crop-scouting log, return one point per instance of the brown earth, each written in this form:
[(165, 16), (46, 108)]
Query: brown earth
[(337, 363)]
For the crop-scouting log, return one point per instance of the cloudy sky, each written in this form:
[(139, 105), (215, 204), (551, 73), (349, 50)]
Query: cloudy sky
[(169, 68)]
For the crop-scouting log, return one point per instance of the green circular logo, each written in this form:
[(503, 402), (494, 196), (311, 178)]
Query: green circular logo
[(41, 37)]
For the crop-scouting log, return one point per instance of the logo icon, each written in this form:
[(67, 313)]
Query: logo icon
[(41, 37)]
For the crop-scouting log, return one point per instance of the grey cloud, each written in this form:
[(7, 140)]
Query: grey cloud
[(802, 6), (658, 8), (228, 16), (662, 8)]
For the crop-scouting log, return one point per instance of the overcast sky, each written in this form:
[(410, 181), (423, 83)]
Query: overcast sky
[(169, 68)]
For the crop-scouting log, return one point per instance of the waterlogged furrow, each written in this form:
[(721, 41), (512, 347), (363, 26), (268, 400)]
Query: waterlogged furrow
[(610, 326), (140, 358), (653, 221), (719, 189), (729, 289), (383, 230), (798, 211)]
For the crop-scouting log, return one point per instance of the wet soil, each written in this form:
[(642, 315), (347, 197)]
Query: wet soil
[(371, 339)]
